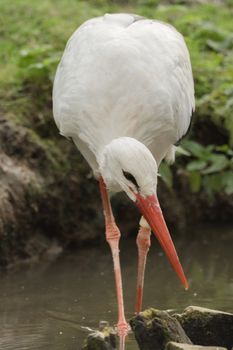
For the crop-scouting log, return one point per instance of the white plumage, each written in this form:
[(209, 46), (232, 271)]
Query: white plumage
[(124, 93), (122, 75)]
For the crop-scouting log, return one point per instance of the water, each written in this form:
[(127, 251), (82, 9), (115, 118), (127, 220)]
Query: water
[(45, 306)]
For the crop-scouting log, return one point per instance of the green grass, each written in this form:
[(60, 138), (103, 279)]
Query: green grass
[(34, 33)]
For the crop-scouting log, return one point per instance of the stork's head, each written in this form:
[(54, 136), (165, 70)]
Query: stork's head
[(127, 164)]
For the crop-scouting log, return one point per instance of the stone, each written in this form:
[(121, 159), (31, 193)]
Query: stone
[(207, 327), (103, 339), (178, 346), (153, 329)]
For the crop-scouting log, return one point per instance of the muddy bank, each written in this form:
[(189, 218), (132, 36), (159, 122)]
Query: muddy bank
[(43, 194), (50, 201)]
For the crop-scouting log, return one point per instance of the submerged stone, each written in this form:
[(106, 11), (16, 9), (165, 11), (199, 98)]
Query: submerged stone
[(104, 339), (207, 327), (153, 329), (178, 346)]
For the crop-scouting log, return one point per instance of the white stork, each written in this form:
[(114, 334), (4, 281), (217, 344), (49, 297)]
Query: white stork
[(124, 93)]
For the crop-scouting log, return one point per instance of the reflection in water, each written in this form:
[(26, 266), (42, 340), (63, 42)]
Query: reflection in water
[(48, 306)]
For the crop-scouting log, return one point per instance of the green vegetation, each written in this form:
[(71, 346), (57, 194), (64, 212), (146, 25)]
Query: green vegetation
[(33, 36), (208, 168)]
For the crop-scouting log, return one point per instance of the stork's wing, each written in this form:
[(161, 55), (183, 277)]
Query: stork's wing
[(121, 75)]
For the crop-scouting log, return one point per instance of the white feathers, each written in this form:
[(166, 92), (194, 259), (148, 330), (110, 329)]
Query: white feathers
[(123, 76), (170, 155), (127, 155)]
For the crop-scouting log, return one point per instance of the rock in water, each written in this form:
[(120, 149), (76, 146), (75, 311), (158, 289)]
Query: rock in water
[(207, 327), (177, 346), (104, 339), (153, 329)]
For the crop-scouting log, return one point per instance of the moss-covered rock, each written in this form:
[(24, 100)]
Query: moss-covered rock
[(204, 328), (104, 339), (153, 330), (178, 346), (207, 327)]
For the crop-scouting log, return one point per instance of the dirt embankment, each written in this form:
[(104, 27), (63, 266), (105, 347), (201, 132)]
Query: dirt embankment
[(48, 198), (43, 196)]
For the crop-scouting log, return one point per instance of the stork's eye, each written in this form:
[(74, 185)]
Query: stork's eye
[(130, 178)]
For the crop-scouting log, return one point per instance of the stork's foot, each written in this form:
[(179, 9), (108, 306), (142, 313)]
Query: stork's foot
[(122, 328)]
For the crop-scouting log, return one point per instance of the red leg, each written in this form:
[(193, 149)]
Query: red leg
[(143, 243), (113, 237)]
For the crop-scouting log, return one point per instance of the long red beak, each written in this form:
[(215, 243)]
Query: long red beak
[(150, 209)]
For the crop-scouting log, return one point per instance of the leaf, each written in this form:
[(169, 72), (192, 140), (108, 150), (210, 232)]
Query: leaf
[(225, 149), (166, 174), (222, 148), (195, 181), (219, 162), (182, 151), (214, 45), (194, 148), (196, 165), (227, 182), (212, 183)]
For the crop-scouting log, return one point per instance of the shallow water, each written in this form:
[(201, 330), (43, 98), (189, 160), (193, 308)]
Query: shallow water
[(45, 306)]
